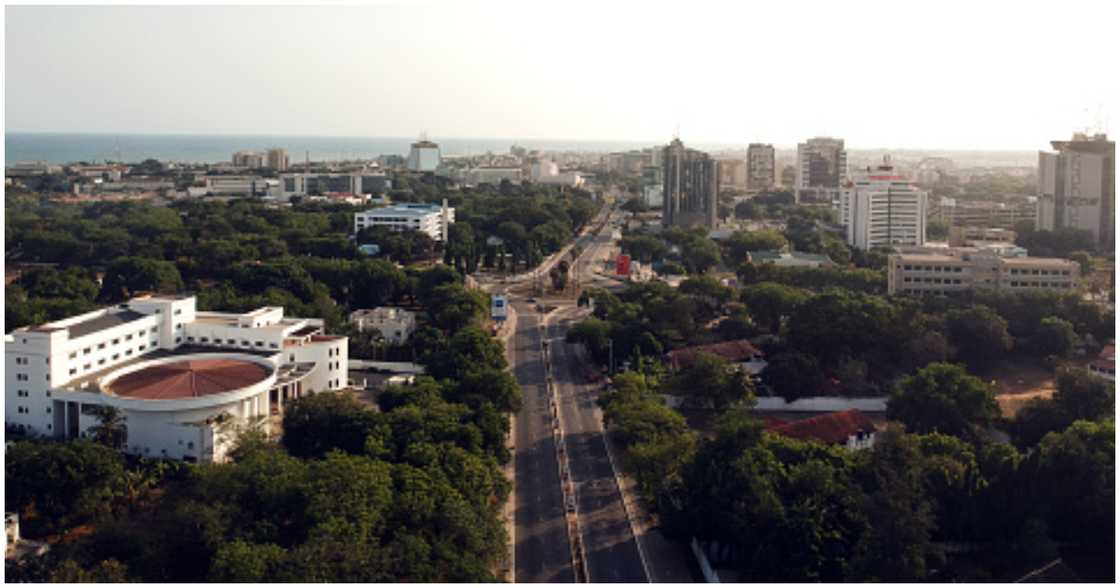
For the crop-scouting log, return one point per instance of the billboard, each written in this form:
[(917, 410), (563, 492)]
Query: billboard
[(622, 266), (499, 306)]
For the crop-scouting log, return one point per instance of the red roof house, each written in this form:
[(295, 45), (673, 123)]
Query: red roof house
[(850, 428)]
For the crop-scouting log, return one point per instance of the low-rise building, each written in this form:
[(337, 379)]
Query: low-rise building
[(973, 236), (183, 380), (432, 219), (789, 259), (1105, 363), (741, 352), (850, 429), (953, 270), (493, 175), (241, 186), (395, 324)]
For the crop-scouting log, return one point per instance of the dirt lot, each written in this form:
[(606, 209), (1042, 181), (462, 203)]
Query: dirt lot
[(1018, 382)]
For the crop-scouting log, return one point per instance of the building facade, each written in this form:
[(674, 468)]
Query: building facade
[(327, 183), (822, 163), (395, 324), (432, 219), (249, 159), (690, 193), (760, 167), (182, 379), (880, 208), (493, 175), (423, 156), (1077, 187), (955, 270), (277, 159), (996, 215)]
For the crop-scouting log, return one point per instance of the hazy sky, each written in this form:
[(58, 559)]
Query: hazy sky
[(977, 74)]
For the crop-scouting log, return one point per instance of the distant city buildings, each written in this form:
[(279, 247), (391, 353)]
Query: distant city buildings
[(690, 188), (431, 219), (953, 270), (733, 173), (545, 171), (1077, 187), (822, 163), (493, 175), (982, 213), (880, 208), (423, 156), (277, 159), (249, 159), (653, 186), (760, 167)]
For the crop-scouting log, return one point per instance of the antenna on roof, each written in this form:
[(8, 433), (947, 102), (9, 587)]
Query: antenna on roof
[(677, 130)]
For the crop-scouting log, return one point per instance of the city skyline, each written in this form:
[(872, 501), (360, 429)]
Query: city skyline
[(531, 74)]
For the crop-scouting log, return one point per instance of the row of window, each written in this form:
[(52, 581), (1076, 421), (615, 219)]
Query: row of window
[(931, 280), (1016, 284), (117, 341), (933, 268), (25, 410), (244, 343), (1027, 272)]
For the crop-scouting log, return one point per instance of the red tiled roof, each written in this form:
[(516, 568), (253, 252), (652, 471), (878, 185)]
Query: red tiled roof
[(188, 379), (1106, 359), (770, 422), (834, 427), (739, 350)]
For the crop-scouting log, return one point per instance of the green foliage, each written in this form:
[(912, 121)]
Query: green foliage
[(741, 242), (769, 302), (1079, 396), (126, 276), (710, 381), (937, 230), (793, 375), (979, 334), (1076, 476), (64, 483), (943, 398), (1055, 337)]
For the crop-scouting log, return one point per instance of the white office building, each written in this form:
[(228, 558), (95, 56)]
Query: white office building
[(182, 379), (1077, 187), (423, 156), (395, 324), (880, 208), (493, 175), (242, 186), (432, 219)]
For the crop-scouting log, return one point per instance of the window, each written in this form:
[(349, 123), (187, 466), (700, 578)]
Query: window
[(190, 339), (178, 339), (86, 351), (155, 329), (101, 346), (178, 311), (231, 341), (245, 343), (21, 377), (259, 343), (203, 339), (73, 354), (101, 361), (128, 351), (272, 345), (116, 356), (86, 366), (73, 371), (129, 337), (142, 347), (116, 341)]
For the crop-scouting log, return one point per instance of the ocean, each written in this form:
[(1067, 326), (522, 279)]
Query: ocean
[(96, 148)]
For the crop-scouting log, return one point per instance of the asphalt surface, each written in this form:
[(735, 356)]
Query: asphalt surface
[(542, 552), (612, 551)]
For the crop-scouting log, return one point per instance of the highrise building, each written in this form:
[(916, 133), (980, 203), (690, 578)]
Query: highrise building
[(277, 159), (880, 208), (423, 156), (691, 187), (1077, 187), (760, 167), (822, 163), (249, 159)]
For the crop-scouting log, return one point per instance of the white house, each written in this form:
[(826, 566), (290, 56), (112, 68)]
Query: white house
[(182, 379), (432, 219), (395, 324)]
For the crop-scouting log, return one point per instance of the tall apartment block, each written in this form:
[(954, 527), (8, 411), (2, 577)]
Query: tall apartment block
[(822, 163), (691, 187), (1077, 187), (277, 159), (760, 167), (423, 156)]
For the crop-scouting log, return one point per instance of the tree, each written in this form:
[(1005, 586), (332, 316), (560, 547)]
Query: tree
[(1054, 337), (65, 483), (1083, 395), (741, 242), (793, 375), (700, 255), (979, 334), (768, 302), (314, 425), (710, 381), (1076, 476), (943, 398), (111, 429), (937, 230), (1085, 260), (126, 276)]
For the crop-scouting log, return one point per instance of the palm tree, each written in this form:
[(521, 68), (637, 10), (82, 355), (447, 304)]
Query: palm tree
[(111, 429)]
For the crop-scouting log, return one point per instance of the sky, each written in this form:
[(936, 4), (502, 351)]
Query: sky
[(944, 75)]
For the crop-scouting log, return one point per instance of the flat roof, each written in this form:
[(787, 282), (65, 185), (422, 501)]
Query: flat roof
[(105, 321), (189, 378), (929, 257), (1038, 261)]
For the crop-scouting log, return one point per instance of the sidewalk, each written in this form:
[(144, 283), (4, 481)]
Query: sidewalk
[(509, 327)]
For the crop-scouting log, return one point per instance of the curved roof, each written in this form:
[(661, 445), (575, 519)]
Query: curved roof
[(188, 379)]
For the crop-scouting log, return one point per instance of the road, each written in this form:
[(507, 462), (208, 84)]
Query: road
[(542, 551), (612, 551)]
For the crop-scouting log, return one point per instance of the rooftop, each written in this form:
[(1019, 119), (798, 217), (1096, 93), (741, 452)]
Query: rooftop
[(190, 378), (739, 350), (834, 427)]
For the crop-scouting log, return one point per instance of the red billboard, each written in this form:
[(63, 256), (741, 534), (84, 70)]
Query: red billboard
[(622, 266)]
